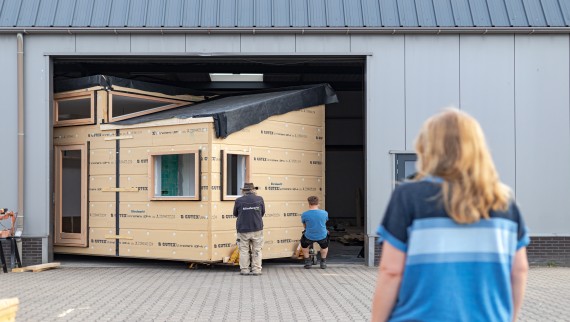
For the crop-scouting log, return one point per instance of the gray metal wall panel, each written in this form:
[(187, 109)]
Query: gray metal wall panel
[(263, 13), (565, 10), (9, 117), (318, 43), (119, 13), (461, 13), (10, 13), (432, 79), (335, 13), (212, 43), (543, 131), (227, 13), (480, 13), (443, 13), (209, 13), (385, 120), (389, 13), (158, 43), (517, 15), (280, 14), (137, 13), (426, 14), (101, 13), (498, 13), (86, 43), (552, 13), (353, 13), (371, 13), (191, 14), (407, 13), (299, 13), (28, 12), (534, 12), (487, 93), (245, 10), (317, 13), (46, 13), (64, 13), (268, 43), (38, 129), (83, 13), (155, 13)]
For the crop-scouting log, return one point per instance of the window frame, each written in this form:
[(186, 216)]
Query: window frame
[(223, 175), (73, 96), (170, 104), (62, 238), (152, 173)]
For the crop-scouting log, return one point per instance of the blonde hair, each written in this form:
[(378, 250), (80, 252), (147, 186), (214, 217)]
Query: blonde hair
[(451, 145)]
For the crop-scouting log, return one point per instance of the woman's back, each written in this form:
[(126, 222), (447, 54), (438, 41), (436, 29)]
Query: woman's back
[(453, 272)]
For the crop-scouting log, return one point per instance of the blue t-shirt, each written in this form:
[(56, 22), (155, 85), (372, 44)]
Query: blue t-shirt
[(453, 272), (315, 220)]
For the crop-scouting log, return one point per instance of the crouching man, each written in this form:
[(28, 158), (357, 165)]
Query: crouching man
[(249, 210), (314, 220)]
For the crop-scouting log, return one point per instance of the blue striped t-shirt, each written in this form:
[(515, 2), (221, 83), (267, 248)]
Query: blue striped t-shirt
[(453, 272)]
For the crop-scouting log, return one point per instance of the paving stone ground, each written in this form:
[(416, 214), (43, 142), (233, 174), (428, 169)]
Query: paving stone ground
[(168, 291)]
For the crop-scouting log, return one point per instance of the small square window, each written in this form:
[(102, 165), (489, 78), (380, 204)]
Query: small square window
[(236, 173), (175, 176), (74, 109)]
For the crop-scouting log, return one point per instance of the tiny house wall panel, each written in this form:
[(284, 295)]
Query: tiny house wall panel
[(286, 162)]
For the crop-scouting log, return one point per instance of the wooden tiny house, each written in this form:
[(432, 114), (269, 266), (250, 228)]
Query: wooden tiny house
[(154, 175)]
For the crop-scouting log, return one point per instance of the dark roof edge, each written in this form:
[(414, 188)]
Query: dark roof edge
[(291, 30)]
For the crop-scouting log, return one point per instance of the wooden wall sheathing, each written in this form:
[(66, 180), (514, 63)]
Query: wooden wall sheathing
[(278, 214), (101, 214), (167, 215), (184, 134), (164, 244), (97, 243), (136, 161), (307, 116)]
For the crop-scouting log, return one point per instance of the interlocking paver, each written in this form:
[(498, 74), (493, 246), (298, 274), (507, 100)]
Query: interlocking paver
[(163, 291)]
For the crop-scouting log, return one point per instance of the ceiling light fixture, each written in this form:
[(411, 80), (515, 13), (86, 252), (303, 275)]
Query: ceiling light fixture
[(229, 77)]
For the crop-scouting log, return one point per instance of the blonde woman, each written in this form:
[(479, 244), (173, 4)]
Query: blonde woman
[(454, 240)]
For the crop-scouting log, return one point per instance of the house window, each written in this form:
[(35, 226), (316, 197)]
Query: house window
[(126, 105), (71, 195), (74, 109), (235, 173), (175, 176)]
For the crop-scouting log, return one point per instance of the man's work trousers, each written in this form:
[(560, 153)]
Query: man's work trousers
[(255, 239)]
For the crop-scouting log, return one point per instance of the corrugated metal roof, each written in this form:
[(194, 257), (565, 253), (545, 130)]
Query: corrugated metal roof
[(283, 13)]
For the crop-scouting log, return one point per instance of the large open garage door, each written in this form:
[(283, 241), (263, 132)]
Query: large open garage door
[(216, 75)]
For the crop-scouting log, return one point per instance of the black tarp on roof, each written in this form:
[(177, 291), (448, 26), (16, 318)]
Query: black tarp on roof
[(233, 113), (108, 82)]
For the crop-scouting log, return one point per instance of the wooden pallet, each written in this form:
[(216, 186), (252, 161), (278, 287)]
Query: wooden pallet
[(36, 268), (8, 309)]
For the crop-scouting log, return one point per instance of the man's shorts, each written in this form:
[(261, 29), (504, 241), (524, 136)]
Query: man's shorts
[(323, 243)]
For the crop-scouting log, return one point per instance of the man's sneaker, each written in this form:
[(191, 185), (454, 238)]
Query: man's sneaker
[(308, 263), (323, 263), (244, 272), (256, 273)]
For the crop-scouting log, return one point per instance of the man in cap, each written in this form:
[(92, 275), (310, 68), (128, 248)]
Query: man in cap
[(249, 210)]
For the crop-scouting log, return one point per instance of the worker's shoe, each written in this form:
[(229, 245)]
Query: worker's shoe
[(323, 263), (308, 263), (244, 272), (256, 273)]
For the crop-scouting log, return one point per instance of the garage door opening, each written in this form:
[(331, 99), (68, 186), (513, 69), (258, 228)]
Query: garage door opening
[(344, 121)]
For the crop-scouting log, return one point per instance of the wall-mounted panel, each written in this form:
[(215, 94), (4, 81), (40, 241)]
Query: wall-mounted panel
[(158, 43), (9, 116), (318, 43), (542, 131), (487, 93), (268, 43), (432, 79), (212, 43), (103, 43)]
